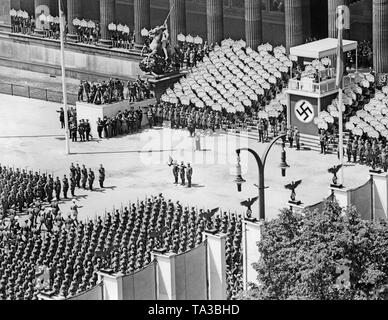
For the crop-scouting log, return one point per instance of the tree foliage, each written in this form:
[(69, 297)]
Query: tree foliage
[(301, 254)]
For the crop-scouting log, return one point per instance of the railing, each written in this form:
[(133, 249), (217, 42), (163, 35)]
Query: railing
[(319, 88), (37, 93)]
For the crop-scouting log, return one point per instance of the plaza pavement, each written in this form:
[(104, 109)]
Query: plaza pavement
[(136, 165)]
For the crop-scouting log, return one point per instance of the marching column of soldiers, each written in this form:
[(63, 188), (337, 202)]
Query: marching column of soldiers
[(372, 153), (20, 189)]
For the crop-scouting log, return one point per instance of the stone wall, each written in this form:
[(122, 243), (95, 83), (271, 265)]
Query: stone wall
[(82, 62)]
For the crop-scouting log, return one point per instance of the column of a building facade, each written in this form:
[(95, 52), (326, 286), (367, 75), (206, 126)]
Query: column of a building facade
[(332, 15), (306, 12), (380, 35), (74, 10), (215, 21), (15, 4), (5, 18), (253, 23), (294, 24), (142, 13), (107, 15), (177, 19), (41, 5)]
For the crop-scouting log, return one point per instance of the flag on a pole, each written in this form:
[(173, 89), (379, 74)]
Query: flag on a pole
[(341, 11)]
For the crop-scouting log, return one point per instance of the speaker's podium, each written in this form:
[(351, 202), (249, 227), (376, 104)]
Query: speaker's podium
[(308, 96)]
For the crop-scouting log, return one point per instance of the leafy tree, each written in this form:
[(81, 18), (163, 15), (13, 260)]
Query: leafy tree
[(302, 255)]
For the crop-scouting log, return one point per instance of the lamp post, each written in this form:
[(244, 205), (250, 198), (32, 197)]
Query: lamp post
[(261, 166)]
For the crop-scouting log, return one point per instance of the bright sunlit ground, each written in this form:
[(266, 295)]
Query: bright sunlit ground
[(136, 165)]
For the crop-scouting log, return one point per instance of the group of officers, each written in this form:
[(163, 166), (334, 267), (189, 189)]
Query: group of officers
[(371, 152), (19, 189), (182, 172)]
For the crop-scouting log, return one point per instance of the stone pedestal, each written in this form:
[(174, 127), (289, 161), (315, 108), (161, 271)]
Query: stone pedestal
[(380, 196), (215, 21), (251, 235), (253, 23), (177, 20), (74, 10), (142, 19), (342, 195), (107, 16), (380, 35), (294, 26), (112, 285), (165, 276), (332, 16), (162, 82), (216, 261), (92, 111)]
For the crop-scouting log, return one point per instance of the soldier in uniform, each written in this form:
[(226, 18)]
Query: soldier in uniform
[(189, 174), (182, 169), (349, 150), (383, 158), (84, 173), (78, 175), (49, 191), (290, 137), (361, 151), (354, 150), (57, 187), (322, 141), (91, 179), (260, 128), (175, 171), (87, 130), (81, 130), (100, 127), (73, 184), (65, 183), (101, 176), (297, 138)]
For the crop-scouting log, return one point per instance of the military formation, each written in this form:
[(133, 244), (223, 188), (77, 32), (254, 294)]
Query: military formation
[(19, 189), (370, 152), (72, 256)]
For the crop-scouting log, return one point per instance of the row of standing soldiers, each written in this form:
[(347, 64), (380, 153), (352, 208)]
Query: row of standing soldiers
[(364, 151), (183, 172), (123, 123), (182, 117)]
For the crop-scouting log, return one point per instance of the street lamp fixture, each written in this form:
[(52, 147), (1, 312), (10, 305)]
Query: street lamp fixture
[(239, 179), (261, 166)]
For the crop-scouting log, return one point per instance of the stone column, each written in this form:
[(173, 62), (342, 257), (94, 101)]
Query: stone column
[(294, 25), (107, 15), (41, 5), (74, 10), (177, 20), (215, 21), (142, 13), (380, 35), (5, 18), (15, 4), (332, 15), (306, 7), (253, 23)]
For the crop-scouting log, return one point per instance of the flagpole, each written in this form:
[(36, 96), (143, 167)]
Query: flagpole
[(64, 90), (341, 134)]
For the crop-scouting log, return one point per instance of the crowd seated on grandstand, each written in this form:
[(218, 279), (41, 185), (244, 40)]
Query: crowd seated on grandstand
[(74, 250)]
